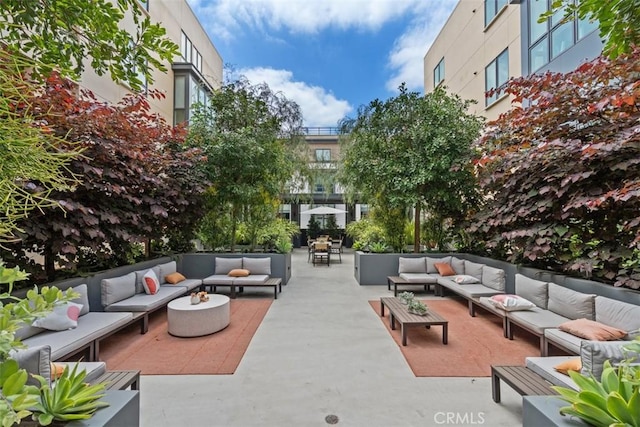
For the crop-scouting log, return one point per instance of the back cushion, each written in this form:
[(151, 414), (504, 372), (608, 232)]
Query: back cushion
[(534, 290), (118, 288), (225, 265), (257, 265), (431, 263), (166, 269), (83, 299), (35, 360), (569, 303), (473, 269), (412, 265), (493, 278), (618, 314), (594, 353), (457, 265)]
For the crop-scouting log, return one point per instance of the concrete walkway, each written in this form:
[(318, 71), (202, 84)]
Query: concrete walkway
[(321, 351)]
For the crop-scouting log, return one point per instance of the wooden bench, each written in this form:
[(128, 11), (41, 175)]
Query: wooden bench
[(274, 282), (521, 379), (399, 281), (119, 380)]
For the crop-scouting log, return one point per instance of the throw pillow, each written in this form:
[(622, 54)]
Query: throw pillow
[(592, 330), (57, 369), (573, 364), (465, 279), (444, 269), (64, 316), (508, 302), (151, 283), (239, 272), (174, 278)]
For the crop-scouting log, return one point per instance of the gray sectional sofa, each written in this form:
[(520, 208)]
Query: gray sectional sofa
[(488, 280), (555, 305), (259, 272)]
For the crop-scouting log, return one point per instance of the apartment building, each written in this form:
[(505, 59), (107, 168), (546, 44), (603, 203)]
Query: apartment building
[(189, 79), (486, 42)]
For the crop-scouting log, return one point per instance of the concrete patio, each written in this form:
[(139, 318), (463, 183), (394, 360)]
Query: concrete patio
[(322, 356)]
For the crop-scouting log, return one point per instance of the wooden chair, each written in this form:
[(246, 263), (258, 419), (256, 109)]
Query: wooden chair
[(321, 253)]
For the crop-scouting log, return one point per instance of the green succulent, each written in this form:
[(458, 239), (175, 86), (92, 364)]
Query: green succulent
[(417, 307), (614, 401), (71, 398), (406, 297)]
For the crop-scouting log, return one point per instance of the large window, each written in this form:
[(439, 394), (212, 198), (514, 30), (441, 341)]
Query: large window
[(323, 155), (491, 9), (185, 47), (549, 38), (438, 73), (188, 91), (496, 75)]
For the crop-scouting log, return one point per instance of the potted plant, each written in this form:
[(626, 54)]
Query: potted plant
[(417, 307), (405, 297), (612, 401), (72, 398)]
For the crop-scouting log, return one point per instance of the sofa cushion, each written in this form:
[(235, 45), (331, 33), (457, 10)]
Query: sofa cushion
[(594, 353), (257, 265), (145, 302), (225, 265), (458, 265), (591, 330), (545, 367), (118, 288), (83, 299), (218, 279), (412, 265), (174, 278), (473, 269), (536, 320), (63, 316), (571, 304), (254, 279), (444, 269), (431, 263), (35, 360), (151, 283), (493, 278), (418, 278), (564, 340), (166, 269), (619, 314), (534, 290)]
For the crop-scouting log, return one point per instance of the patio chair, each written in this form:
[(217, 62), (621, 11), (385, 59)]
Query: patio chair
[(336, 249), (321, 253), (310, 243)]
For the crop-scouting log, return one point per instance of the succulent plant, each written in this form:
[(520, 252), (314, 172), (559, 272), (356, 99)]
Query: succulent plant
[(417, 307), (406, 297)]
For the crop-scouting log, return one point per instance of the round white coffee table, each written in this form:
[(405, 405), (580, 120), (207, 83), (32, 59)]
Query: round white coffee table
[(194, 320)]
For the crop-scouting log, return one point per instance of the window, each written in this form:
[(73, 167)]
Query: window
[(539, 54), (188, 91), (185, 47), (585, 27), (491, 9), (537, 29), (318, 188), (496, 75), (198, 63), (144, 4), (438, 73), (561, 39), (323, 155)]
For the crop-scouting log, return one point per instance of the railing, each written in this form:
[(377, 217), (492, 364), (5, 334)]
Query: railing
[(321, 130)]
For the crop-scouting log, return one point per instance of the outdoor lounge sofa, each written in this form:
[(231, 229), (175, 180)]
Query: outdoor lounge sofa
[(240, 272), (471, 280)]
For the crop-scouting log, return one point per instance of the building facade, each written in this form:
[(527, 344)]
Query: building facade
[(188, 80), (486, 42)]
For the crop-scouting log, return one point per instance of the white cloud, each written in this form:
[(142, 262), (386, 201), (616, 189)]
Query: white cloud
[(406, 57), (319, 107), (300, 16)]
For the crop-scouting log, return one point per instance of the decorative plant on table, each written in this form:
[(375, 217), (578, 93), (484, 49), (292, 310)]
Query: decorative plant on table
[(72, 398), (612, 401), (405, 297), (417, 307)]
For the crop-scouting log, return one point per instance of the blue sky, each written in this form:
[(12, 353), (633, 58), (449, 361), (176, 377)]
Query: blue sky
[(329, 56)]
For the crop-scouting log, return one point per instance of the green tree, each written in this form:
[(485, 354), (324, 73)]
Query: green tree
[(412, 151), (618, 20), (63, 34), (252, 138)]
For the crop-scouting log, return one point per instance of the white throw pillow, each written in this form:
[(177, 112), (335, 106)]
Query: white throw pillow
[(511, 302), (465, 279), (150, 283), (64, 316)]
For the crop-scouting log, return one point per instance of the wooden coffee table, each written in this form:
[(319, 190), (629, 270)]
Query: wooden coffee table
[(398, 312)]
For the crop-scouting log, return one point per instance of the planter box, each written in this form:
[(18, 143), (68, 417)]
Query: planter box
[(123, 410), (545, 411)]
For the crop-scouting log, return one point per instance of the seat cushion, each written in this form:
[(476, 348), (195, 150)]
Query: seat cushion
[(545, 367), (418, 278), (218, 279), (563, 339), (537, 319), (146, 302), (254, 279)]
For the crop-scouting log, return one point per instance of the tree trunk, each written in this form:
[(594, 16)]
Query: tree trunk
[(416, 229), (49, 263)]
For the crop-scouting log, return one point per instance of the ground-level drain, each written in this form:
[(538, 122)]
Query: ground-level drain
[(332, 419)]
